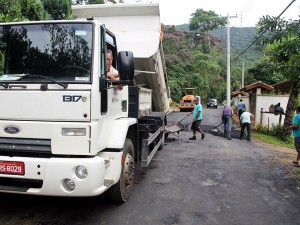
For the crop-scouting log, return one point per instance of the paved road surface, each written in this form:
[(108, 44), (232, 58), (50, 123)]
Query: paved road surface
[(210, 181)]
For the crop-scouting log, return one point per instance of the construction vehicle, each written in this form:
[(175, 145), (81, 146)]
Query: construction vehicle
[(66, 129), (186, 104)]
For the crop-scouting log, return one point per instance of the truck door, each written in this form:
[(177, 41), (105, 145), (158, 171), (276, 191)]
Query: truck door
[(111, 96)]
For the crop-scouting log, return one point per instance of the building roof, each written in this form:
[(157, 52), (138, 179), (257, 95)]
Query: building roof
[(258, 84), (239, 92), (285, 85)]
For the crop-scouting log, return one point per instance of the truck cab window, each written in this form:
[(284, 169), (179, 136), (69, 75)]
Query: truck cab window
[(62, 52)]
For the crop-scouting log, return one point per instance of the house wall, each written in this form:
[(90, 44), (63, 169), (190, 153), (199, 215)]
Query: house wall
[(264, 102)]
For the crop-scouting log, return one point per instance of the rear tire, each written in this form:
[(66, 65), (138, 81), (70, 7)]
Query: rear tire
[(121, 191)]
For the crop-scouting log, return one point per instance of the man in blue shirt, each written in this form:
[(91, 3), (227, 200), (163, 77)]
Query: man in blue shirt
[(241, 107), (296, 134), (197, 118)]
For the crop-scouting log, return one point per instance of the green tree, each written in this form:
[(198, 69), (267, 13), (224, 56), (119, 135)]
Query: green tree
[(190, 66), (32, 9), (284, 53), (96, 2), (10, 11), (80, 2), (58, 9), (203, 21), (265, 71), (200, 23)]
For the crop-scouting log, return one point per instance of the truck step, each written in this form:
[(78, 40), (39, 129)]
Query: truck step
[(108, 182), (106, 161)]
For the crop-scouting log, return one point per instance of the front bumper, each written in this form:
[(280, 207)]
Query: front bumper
[(50, 173), (211, 105), (186, 106)]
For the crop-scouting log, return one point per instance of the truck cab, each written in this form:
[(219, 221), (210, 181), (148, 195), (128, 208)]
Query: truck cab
[(66, 129)]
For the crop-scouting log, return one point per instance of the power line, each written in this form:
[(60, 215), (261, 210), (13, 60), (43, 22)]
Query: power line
[(263, 31)]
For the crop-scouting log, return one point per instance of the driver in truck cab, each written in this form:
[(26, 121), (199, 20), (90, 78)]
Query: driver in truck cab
[(112, 73)]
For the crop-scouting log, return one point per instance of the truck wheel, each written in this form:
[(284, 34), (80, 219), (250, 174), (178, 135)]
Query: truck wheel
[(121, 191)]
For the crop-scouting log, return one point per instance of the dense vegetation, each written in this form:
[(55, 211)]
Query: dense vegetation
[(195, 53), (199, 60), (277, 39), (240, 39), (282, 58)]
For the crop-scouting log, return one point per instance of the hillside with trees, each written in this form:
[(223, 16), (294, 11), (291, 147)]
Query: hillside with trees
[(195, 53), (273, 57), (197, 58), (240, 39), (189, 66)]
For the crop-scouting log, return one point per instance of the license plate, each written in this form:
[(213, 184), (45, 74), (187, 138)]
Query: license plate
[(12, 167)]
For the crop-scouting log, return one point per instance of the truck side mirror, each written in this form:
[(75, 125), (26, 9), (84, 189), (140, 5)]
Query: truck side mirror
[(126, 65)]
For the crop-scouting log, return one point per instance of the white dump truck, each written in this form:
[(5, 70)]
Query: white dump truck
[(65, 128)]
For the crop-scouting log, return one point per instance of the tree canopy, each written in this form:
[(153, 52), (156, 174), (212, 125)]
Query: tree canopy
[(20, 10), (282, 38), (203, 21), (58, 9)]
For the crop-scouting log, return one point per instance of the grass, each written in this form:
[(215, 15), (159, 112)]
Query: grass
[(273, 140), (294, 174)]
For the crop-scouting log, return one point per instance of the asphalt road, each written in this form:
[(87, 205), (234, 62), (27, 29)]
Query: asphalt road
[(210, 181)]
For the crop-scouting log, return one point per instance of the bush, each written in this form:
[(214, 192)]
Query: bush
[(276, 131), (263, 130)]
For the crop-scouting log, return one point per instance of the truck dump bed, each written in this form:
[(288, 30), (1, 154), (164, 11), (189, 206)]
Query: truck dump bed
[(138, 29)]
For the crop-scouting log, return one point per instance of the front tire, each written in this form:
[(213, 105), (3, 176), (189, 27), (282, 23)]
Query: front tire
[(121, 191)]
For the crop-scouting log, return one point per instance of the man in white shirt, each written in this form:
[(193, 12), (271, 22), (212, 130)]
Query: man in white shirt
[(246, 122), (112, 73)]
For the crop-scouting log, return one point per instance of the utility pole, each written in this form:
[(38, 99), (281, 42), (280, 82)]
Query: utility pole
[(228, 61), (243, 72)]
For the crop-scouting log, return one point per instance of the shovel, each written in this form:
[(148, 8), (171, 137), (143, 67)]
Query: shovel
[(215, 128)]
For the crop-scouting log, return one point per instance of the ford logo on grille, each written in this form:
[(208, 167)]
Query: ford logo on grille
[(11, 130)]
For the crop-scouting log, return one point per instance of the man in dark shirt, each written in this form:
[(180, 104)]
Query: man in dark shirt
[(241, 107)]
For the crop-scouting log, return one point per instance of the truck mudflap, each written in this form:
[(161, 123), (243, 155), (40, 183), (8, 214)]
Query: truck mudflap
[(62, 176)]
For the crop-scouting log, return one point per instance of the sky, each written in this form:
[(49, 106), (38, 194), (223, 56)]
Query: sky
[(175, 12)]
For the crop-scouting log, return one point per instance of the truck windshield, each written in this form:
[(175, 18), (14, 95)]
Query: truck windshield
[(60, 51)]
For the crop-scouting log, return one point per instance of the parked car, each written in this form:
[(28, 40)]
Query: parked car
[(212, 103)]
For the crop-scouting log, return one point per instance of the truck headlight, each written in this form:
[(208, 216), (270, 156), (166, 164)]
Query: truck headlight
[(73, 131), (69, 185), (81, 172)]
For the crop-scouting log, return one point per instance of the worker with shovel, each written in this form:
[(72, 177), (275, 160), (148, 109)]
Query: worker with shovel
[(227, 119), (197, 118)]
